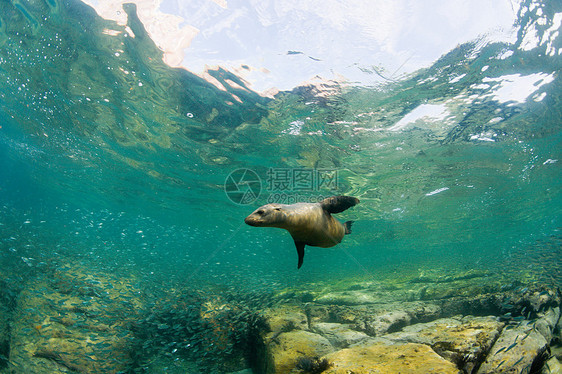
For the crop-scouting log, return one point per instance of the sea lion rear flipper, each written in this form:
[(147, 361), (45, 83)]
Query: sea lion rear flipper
[(337, 204), (300, 252)]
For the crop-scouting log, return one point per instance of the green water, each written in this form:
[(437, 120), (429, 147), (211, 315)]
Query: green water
[(113, 159)]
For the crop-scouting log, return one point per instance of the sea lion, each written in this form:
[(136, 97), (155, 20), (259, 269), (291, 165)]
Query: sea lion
[(308, 223)]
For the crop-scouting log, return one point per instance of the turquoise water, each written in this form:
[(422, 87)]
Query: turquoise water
[(118, 162)]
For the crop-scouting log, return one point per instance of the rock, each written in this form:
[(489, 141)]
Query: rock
[(515, 350), (539, 299), (382, 358), (362, 314), (431, 285), (556, 351), (463, 341), (484, 304), (368, 313), (353, 297), (388, 322), (518, 347), (73, 322), (552, 366), (382, 319), (283, 350), (296, 295), (547, 322), (317, 313), (447, 278), (339, 335), (285, 318)]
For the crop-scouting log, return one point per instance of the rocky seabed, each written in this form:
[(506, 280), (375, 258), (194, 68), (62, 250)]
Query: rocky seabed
[(416, 337), (76, 322)]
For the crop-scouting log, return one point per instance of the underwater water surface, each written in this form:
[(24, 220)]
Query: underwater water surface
[(112, 161)]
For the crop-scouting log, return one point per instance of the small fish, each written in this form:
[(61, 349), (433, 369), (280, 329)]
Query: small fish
[(500, 364), (518, 361), (511, 346), (499, 350), (527, 335)]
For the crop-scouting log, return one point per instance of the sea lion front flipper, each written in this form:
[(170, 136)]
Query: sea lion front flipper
[(337, 204), (300, 252), (347, 227)]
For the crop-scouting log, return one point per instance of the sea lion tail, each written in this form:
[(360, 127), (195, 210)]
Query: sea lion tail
[(337, 204), (347, 227)]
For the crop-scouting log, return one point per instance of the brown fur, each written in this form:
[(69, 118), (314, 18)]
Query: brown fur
[(308, 223)]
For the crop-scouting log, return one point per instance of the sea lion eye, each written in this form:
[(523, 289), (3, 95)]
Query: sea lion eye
[(260, 212)]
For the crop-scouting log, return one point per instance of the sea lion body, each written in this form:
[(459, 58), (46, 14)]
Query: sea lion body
[(308, 223), (312, 225)]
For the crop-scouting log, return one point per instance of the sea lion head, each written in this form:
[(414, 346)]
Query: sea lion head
[(270, 215)]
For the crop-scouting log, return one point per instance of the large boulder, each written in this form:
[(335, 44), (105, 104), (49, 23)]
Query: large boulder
[(547, 322), (384, 358), (515, 350), (284, 350), (465, 341)]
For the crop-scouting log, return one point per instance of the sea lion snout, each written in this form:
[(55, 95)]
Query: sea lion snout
[(251, 220), (256, 218)]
